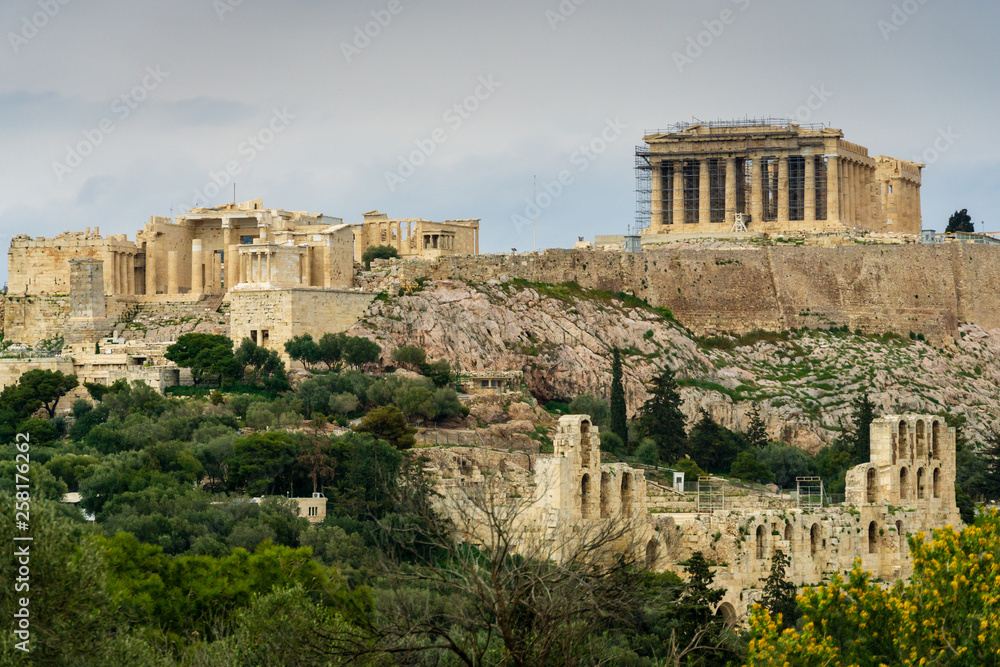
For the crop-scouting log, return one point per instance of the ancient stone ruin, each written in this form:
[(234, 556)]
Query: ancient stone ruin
[(906, 488)]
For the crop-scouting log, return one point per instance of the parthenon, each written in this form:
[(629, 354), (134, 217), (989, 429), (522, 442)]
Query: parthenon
[(774, 177)]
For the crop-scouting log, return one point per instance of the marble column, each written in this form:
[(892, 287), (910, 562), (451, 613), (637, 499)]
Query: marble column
[(730, 190), (172, 286), (704, 193), (150, 268), (783, 188), (130, 273), (757, 191), (678, 193), (197, 286), (832, 188), (809, 212)]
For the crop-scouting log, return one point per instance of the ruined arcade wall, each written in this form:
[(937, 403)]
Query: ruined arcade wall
[(927, 289)]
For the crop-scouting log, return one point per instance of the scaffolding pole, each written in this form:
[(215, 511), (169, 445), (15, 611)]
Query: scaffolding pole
[(809, 492), (711, 494)]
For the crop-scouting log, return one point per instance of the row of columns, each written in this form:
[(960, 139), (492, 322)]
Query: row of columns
[(400, 233), (439, 241), (836, 174), (122, 279), (856, 198)]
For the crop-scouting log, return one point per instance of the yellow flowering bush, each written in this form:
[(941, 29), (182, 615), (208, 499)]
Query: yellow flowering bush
[(948, 613)]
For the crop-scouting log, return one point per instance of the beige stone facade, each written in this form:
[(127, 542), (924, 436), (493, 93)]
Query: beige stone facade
[(774, 177), (271, 316), (908, 487), (313, 509), (199, 252), (413, 237)]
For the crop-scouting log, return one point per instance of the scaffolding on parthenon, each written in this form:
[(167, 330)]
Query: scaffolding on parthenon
[(644, 200), (643, 187)]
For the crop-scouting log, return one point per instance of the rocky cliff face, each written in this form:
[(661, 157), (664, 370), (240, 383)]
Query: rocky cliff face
[(561, 338)]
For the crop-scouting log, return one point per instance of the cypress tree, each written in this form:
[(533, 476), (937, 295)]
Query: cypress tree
[(661, 419), (619, 423)]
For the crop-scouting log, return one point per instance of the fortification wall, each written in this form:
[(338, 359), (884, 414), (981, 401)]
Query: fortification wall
[(926, 289)]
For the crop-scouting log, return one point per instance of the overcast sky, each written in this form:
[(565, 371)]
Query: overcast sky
[(113, 111)]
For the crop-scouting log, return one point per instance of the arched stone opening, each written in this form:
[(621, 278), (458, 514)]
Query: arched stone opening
[(760, 542), (872, 485), (920, 483), (872, 538), (788, 532), (585, 429), (901, 535), (921, 440), (935, 440), (936, 482), (904, 441), (626, 494), (727, 613), (652, 552), (904, 484), (605, 495), (814, 539), (585, 496)]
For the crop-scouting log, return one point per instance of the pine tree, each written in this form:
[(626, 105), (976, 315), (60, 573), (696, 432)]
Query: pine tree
[(619, 418), (756, 433), (779, 593), (862, 418), (661, 419)]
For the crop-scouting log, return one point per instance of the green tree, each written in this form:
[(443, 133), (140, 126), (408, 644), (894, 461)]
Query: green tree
[(960, 221), (648, 453), (207, 355), (377, 252), (359, 351), (749, 469), (661, 419), (786, 463), (713, 446), (588, 404), (70, 609), (37, 389), (388, 423), (756, 434), (411, 356), (260, 366), (263, 463), (304, 349), (618, 409), (862, 416), (438, 371), (331, 346), (779, 593), (317, 456)]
